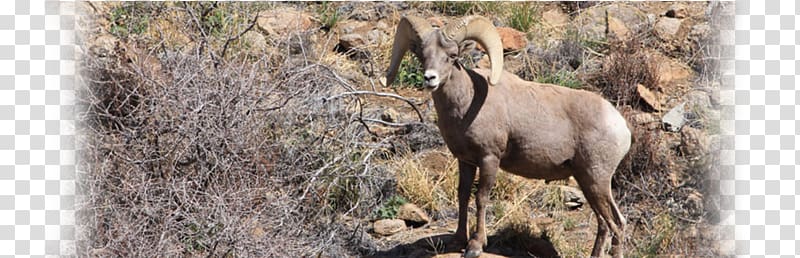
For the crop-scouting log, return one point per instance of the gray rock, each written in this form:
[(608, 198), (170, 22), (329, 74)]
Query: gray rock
[(593, 22), (674, 119), (695, 142), (667, 28), (390, 115), (388, 227), (351, 41), (651, 18), (694, 203), (645, 120), (698, 99), (572, 194)]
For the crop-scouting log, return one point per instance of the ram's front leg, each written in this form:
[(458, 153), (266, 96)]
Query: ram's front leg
[(466, 175), (488, 172)]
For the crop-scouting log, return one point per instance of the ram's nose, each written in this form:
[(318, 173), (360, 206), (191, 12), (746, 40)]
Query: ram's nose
[(431, 79)]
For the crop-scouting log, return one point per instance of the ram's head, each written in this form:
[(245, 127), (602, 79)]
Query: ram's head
[(438, 49)]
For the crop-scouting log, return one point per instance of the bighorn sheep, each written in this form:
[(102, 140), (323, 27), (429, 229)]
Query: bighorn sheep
[(530, 129)]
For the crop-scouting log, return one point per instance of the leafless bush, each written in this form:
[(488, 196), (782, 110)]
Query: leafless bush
[(200, 152)]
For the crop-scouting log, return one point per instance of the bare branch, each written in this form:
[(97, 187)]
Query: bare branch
[(410, 102)]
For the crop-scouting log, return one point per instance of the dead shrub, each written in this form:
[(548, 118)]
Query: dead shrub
[(625, 66), (210, 151)]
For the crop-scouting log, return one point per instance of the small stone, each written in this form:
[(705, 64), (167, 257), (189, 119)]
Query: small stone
[(694, 142), (103, 45), (572, 194), (413, 215), (667, 28), (387, 227), (670, 71), (352, 40), (573, 205), (649, 97), (674, 119), (694, 203), (390, 115), (647, 120)]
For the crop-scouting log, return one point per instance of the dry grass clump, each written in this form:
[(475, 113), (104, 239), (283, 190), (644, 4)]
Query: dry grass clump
[(427, 187), (625, 66)]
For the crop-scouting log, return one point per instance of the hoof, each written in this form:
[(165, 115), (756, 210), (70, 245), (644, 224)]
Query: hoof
[(474, 249), (473, 253)]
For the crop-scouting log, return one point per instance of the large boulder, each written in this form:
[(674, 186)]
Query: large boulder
[(283, 21), (555, 17), (360, 34), (617, 29), (512, 39), (593, 22)]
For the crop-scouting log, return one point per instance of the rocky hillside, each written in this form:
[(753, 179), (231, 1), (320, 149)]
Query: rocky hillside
[(265, 129)]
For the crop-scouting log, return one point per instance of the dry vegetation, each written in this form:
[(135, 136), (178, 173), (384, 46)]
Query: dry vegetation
[(205, 134)]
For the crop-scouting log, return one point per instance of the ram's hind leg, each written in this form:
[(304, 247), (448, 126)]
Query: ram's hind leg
[(596, 186)]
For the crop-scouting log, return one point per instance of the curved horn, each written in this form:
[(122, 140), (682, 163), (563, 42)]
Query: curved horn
[(409, 30), (481, 30)]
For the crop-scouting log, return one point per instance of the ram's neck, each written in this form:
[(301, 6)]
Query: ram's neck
[(460, 97)]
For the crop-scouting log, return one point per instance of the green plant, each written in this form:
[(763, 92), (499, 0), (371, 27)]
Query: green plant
[(553, 197), (391, 207), (344, 194), (457, 8), (410, 72), (664, 228), (198, 236), (488, 7), (125, 20), (591, 45), (329, 15), (523, 17), (217, 22), (569, 223), (563, 78), (499, 210)]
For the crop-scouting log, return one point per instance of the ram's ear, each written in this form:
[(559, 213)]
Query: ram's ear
[(466, 46)]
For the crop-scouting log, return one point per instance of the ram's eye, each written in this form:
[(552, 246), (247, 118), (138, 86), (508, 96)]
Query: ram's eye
[(453, 56)]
